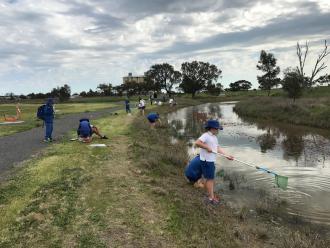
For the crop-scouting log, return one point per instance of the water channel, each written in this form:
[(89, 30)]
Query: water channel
[(300, 153)]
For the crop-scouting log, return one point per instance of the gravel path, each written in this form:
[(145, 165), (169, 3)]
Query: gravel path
[(21, 146)]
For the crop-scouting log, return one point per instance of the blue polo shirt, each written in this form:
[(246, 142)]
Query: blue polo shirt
[(84, 129), (194, 169), (152, 117)]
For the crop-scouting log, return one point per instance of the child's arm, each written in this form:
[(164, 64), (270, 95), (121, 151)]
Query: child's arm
[(220, 150), (201, 144)]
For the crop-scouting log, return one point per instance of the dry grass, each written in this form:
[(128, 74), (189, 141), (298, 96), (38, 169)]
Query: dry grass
[(131, 194), (193, 223), (305, 111)]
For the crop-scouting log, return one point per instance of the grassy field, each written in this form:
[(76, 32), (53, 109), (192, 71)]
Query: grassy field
[(77, 196), (29, 114), (310, 111), (100, 99), (321, 91), (129, 194)]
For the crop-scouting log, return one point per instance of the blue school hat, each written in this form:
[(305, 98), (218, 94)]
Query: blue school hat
[(213, 124)]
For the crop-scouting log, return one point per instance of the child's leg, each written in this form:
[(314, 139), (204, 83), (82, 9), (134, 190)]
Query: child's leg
[(208, 171), (200, 183), (49, 130), (209, 188), (96, 131)]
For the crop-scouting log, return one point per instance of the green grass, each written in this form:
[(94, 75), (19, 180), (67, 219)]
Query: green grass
[(76, 196), (192, 222), (129, 194), (313, 112), (29, 114), (103, 99), (316, 92)]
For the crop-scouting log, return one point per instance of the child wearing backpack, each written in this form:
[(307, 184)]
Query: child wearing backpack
[(46, 113), (209, 145)]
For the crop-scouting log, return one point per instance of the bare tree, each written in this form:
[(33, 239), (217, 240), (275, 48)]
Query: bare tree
[(318, 67), (301, 59)]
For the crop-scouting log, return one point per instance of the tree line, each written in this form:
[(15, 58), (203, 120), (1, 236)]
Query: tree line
[(199, 76), (295, 79)]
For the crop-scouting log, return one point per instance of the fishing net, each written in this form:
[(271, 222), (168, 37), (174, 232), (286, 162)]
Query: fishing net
[(281, 181)]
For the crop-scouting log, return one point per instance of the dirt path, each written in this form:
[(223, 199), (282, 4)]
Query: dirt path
[(21, 146)]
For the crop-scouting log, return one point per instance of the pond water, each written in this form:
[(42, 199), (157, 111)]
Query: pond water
[(300, 153)]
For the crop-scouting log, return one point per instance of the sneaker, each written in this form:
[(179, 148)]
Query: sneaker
[(48, 140), (213, 202), (104, 137)]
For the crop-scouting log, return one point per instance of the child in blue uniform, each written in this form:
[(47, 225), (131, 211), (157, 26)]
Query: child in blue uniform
[(153, 118), (193, 172), (48, 115), (127, 106), (86, 130), (209, 145)]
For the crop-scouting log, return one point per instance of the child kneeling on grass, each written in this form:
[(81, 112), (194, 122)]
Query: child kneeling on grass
[(86, 130), (209, 145)]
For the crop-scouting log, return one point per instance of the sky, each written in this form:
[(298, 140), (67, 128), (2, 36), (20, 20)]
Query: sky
[(49, 43)]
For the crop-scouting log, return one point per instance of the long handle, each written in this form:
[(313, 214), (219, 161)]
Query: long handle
[(248, 164)]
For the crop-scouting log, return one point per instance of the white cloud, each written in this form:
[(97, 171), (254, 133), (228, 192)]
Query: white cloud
[(84, 42)]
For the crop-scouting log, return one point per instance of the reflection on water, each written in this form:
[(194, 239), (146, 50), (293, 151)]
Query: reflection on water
[(267, 141), (302, 154)]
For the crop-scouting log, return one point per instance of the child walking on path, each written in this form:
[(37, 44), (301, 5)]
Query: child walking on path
[(209, 145)]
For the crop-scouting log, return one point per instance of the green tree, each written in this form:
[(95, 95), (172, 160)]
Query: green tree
[(63, 93), (267, 64), (214, 89), (118, 90), (132, 88), (106, 89), (197, 75), (293, 83), (240, 85), (163, 76)]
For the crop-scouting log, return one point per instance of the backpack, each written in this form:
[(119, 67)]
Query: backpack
[(84, 131), (41, 112)]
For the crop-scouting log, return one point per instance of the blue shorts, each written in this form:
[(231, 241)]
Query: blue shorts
[(152, 120), (208, 169)]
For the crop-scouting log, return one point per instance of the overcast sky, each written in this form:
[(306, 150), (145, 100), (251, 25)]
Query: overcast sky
[(83, 43)]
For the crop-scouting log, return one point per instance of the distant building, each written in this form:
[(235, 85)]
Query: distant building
[(131, 78)]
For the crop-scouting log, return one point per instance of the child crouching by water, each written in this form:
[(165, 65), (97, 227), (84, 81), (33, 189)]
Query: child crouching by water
[(209, 145), (193, 172), (153, 119)]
